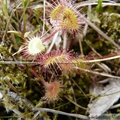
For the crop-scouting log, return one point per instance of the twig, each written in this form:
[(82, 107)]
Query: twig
[(97, 73), (43, 29), (100, 60), (17, 62), (115, 106), (77, 61), (62, 113), (36, 114), (82, 4)]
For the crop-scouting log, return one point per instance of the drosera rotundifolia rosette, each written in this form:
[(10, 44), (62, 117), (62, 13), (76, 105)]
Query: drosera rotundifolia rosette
[(65, 16), (33, 46)]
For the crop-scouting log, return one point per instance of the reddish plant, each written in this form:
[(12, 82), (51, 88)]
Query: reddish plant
[(64, 16), (61, 58), (52, 91), (33, 46)]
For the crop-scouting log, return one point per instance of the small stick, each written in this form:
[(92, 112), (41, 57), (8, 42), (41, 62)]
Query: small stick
[(62, 113)]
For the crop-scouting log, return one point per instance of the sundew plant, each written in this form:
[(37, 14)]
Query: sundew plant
[(59, 59)]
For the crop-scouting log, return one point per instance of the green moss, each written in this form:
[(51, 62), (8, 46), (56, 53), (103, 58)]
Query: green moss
[(22, 90)]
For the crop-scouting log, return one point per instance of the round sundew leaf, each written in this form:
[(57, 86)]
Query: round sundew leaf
[(70, 20), (65, 17), (35, 46), (57, 13)]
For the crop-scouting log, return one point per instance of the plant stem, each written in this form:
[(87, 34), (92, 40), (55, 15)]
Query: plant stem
[(51, 35), (64, 40), (53, 42), (41, 80)]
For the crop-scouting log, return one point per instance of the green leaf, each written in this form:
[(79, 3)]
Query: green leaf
[(18, 33), (99, 6), (18, 39)]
